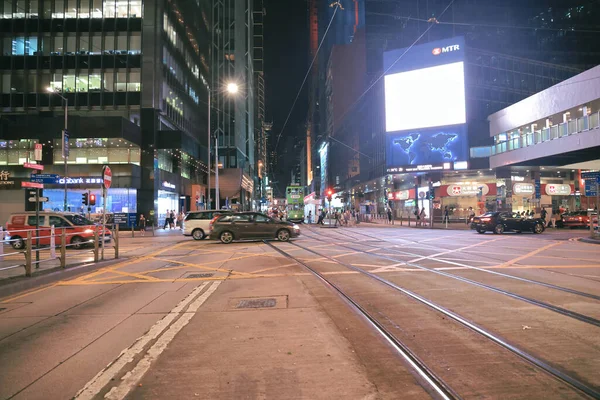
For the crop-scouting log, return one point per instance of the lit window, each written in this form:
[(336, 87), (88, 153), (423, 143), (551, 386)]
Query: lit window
[(134, 82), (56, 83), (95, 82), (82, 83), (69, 83)]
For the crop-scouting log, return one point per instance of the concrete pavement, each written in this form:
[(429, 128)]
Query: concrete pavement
[(187, 319)]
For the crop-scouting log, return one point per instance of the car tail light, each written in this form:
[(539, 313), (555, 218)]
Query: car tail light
[(210, 224), (581, 218)]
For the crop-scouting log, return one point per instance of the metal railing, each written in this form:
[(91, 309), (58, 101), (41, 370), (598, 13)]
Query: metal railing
[(26, 242), (564, 129)]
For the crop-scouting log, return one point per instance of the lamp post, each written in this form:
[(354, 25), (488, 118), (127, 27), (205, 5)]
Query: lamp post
[(65, 157), (232, 88)]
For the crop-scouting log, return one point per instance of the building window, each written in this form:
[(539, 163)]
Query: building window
[(96, 44), (69, 83), (95, 82), (96, 11), (82, 82), (109, 9), (56, 82), (109, 81), (71, 11), (33, 9), (134, 82), (59, 9), (121, 82), (58, 44), (135, 43), (24, 46), (135, 8), (84, 8), (7, 12), (109, 43)]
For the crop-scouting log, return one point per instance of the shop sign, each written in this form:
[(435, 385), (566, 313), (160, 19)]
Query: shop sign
[(523, 188), (79, 180), (168, 185), (5, 178), (468, 190), (401, 195), (558, 189)]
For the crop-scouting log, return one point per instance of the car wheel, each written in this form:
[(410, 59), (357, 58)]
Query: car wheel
[(226, 237), (198, 234), (499, 229), (283, 235), (538, 228), (77, 242), (18, 243), (481, 231)]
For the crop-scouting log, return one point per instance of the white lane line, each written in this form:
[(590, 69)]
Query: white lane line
[(132, 378), (95, 385)]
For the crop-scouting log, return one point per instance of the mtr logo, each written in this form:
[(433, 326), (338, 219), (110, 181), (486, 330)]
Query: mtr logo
[(439, 50)]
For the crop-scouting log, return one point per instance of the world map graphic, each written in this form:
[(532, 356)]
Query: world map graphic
[(417, 148)]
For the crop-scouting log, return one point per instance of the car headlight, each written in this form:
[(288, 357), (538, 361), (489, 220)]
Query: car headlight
[(296, 227), (88, 231)]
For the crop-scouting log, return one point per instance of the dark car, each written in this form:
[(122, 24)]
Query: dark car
[(499, 222), (251, 225)]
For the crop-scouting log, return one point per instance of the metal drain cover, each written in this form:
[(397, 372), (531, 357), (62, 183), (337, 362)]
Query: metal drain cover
[(256, 303), (199, 275)]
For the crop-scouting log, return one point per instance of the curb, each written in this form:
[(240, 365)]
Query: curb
[(589, 240)]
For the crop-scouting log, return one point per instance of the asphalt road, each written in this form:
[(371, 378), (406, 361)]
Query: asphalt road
[(187, 319)]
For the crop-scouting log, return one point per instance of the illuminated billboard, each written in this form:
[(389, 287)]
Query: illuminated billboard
[(425, 107), (426, 149), (425, 97)]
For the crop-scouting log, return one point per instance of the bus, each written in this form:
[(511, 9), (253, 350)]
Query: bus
[(295, 203)]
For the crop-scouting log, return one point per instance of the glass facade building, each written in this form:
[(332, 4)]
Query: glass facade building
[(137, 96)]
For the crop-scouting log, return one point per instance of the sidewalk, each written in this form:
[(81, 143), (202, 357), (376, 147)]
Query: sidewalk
[(412, 223)]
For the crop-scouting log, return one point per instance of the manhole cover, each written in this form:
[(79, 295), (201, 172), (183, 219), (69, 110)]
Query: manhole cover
[(199, 275), (257, 303)]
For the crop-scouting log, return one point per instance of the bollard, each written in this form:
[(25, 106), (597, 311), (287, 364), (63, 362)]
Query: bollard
[(96, 243), (152, 229), (28, 246), (63, 249), (116, 241), (1, 242), (132, 231), (52, 242)]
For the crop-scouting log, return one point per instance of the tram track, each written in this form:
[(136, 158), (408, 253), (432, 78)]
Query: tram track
[(531, 359), (458, 264), (538, 303)]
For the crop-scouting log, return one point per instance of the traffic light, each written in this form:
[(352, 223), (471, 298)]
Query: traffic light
[(329, 195), (85, 199), (432, 194), (92, 199)]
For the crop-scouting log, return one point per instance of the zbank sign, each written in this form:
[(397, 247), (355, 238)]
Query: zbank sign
[(439, 50)]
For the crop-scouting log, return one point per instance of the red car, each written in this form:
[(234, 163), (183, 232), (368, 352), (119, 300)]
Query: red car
[(578, 219)]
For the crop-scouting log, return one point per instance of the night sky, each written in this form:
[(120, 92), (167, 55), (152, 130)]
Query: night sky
[(286, 63)]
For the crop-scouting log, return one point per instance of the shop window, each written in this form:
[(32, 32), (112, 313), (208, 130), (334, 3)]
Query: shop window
[(134, 82), (109, 81), (82, 82), (69, 83), (95, 82)]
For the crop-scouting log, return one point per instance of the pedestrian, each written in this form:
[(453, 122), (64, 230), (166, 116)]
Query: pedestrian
[(347, 217), (142, 225), (553, 218), (422, 217), (389, 215), (543, 214), (180, 219), (321, 217), (446, 218), (417, 217), (167, 214), (172, 219), (309, 217)]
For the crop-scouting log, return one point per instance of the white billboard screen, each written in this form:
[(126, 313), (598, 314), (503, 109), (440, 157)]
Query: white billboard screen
[(425, 98)]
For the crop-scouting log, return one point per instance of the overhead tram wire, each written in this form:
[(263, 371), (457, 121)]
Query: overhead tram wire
[(390, 67), (337, 5)]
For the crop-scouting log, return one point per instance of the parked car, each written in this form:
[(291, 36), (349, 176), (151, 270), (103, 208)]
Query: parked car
[(196, 223), (578, 219), (79, 230), (500, 222), (251, 225)]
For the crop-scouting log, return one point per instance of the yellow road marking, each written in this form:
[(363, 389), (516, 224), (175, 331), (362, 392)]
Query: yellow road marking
[(203, 267), (531, 253), (272, 268)]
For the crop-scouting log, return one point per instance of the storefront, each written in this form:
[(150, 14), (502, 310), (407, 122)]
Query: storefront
[(462, 198), (558, 196), (523, 196), (168, 200), (402, 202)]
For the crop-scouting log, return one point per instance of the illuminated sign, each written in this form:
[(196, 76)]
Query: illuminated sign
[(168, 185), (468, 190), (558, 189), (523, 188), (401, 195), (440, 50), (4, 178)]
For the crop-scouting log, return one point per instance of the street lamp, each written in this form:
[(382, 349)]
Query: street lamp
[(232, 88), (51, 90)]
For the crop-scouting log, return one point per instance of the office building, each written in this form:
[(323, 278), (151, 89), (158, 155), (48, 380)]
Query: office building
[(135, 75)]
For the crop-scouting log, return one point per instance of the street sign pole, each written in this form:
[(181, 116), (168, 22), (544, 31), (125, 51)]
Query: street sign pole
[(37, 227), (103, 218)]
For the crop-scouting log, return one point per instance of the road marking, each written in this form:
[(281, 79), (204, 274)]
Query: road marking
[(131, 378), (531, 253), (454, 250), (104, 377)]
